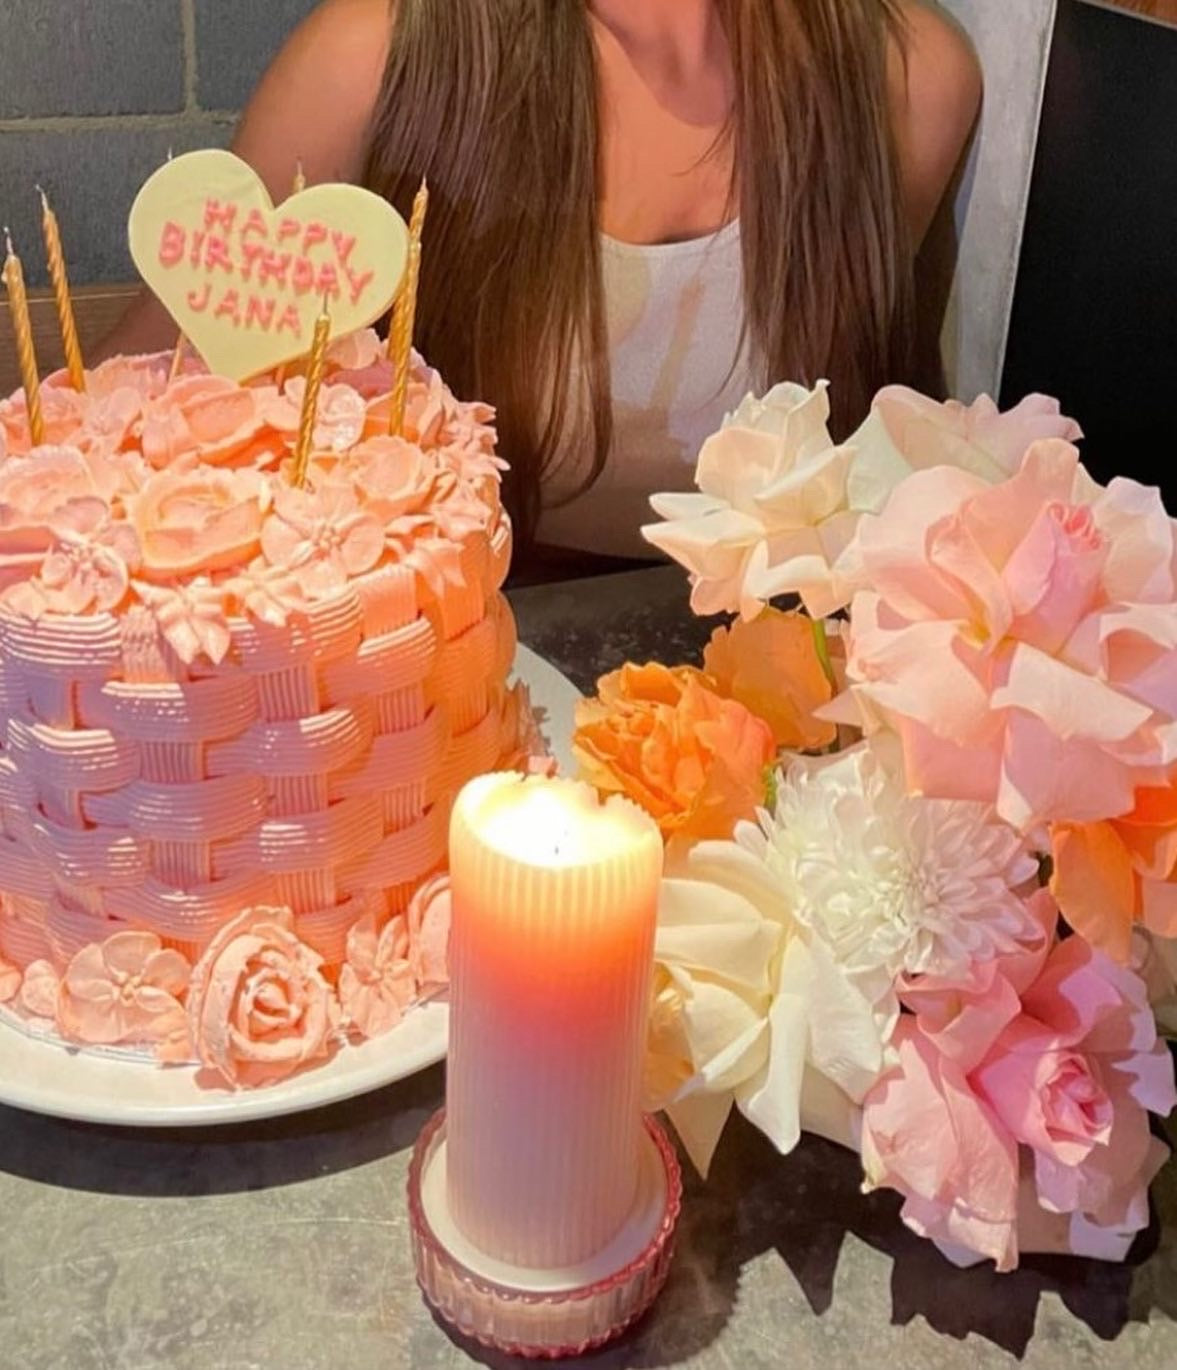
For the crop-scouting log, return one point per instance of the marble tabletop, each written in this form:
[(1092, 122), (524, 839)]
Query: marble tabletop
[(285, 1244)]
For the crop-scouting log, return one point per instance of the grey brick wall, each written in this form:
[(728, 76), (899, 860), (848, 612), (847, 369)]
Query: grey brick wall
[(93, 93)]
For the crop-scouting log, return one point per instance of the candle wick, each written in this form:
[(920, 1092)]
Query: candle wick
[(8, 241), (44, 198)]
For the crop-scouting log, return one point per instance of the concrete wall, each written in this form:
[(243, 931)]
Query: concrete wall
[(93, 93)]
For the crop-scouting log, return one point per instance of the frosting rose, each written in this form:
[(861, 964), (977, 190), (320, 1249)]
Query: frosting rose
[(200, 519), (695, 762), (376, 984), (771, 666), (34, 489), (339, 418), (1020, 638), (258, 1006), (393, 478), (429, 917), (126, 989), (210, 418)]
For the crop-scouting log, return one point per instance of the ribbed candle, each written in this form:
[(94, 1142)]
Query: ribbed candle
[(55, 256), (554, 910), (26, 354)]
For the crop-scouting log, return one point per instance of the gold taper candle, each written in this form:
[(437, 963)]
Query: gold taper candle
[(55, 255), (310, 400), (26, 355), (400, 334)]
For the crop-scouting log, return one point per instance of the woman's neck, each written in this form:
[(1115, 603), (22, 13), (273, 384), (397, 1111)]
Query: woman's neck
[(673, 38)]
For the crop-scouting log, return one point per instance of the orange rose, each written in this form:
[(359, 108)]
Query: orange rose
[(200, 519), (1112, 875), (771, 666), (695, 762)]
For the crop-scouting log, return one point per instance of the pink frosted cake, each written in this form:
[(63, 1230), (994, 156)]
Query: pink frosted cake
[(233, 713)]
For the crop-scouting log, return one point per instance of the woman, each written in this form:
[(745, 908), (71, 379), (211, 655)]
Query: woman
[(638, 212)]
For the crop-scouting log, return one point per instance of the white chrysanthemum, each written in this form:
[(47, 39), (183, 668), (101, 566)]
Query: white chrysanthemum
[(892, 883)]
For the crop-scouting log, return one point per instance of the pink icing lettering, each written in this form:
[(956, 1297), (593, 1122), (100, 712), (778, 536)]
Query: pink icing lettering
[(358, 284), (229, 308), (344, 244), (216, 253), (291, 321), (198, 300), (251, 252), (256, 223), (194, 256), (216, 213), (259, 313), (316, 233), (274, 267), (303, 278), (171, 244), (288, 228), (327, 282)]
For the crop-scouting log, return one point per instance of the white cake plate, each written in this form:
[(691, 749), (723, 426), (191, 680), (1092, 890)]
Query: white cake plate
[(126, 1090)]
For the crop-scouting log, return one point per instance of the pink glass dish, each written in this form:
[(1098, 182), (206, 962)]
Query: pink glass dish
[(523, 1322)]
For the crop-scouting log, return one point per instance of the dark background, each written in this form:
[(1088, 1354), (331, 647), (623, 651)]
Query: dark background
[(1095, 311)]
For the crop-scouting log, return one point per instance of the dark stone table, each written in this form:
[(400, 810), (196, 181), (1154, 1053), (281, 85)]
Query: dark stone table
[(283, 1246)]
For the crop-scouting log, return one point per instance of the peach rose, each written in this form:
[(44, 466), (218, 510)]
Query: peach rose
[(392, 478), (1109, 877), (62, 408), (258, 1006), (33, 489), (339, 417), (199, 520), (126, 989), (1020, 638), (429, 916), (209, 418), (376, 984), (695, 762), (771, 666)]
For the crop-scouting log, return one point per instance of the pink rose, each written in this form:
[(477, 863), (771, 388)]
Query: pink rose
[(339, 418), (200, 519), (34, 489), (209, 418), (376, 984), (62, 408), (430, 914), (1046, 1065), (908, 432), (1020, 638), (322, 537), (126, 989), (258, 1006)]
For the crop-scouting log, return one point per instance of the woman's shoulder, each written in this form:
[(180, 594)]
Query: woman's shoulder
[(316, 101), (936, 88)]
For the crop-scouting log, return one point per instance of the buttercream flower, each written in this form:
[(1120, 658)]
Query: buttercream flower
[(198, 520), (210, 418), (908, 432), (258, 1006), (34, 489), (89, 566), (695, 762), (322, 537), (40, 991), (429, 917), (269, 594), (339, 417), (63, 411), (1020, 638), (355, 351), (771, 666), (894, 885), (749, 1012), (392, 478), (1111, 876), (376, 984), (192, 617), (126, 989), (1048, 1067), (771, 516)]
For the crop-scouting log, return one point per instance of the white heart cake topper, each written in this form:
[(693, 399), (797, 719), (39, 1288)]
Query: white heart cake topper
[(245, 281)]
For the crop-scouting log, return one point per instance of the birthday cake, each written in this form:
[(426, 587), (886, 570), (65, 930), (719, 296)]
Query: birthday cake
[(234, 709)]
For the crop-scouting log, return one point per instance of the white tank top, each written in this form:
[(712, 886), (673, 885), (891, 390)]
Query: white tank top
[(675, 313)]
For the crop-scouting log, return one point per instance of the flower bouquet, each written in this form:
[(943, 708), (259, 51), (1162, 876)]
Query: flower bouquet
[(921, 831)]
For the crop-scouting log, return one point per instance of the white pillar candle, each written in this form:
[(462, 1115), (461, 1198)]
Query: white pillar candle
[(555, 899)]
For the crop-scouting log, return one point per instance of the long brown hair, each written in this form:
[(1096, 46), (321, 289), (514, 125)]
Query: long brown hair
[(495, 101)]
